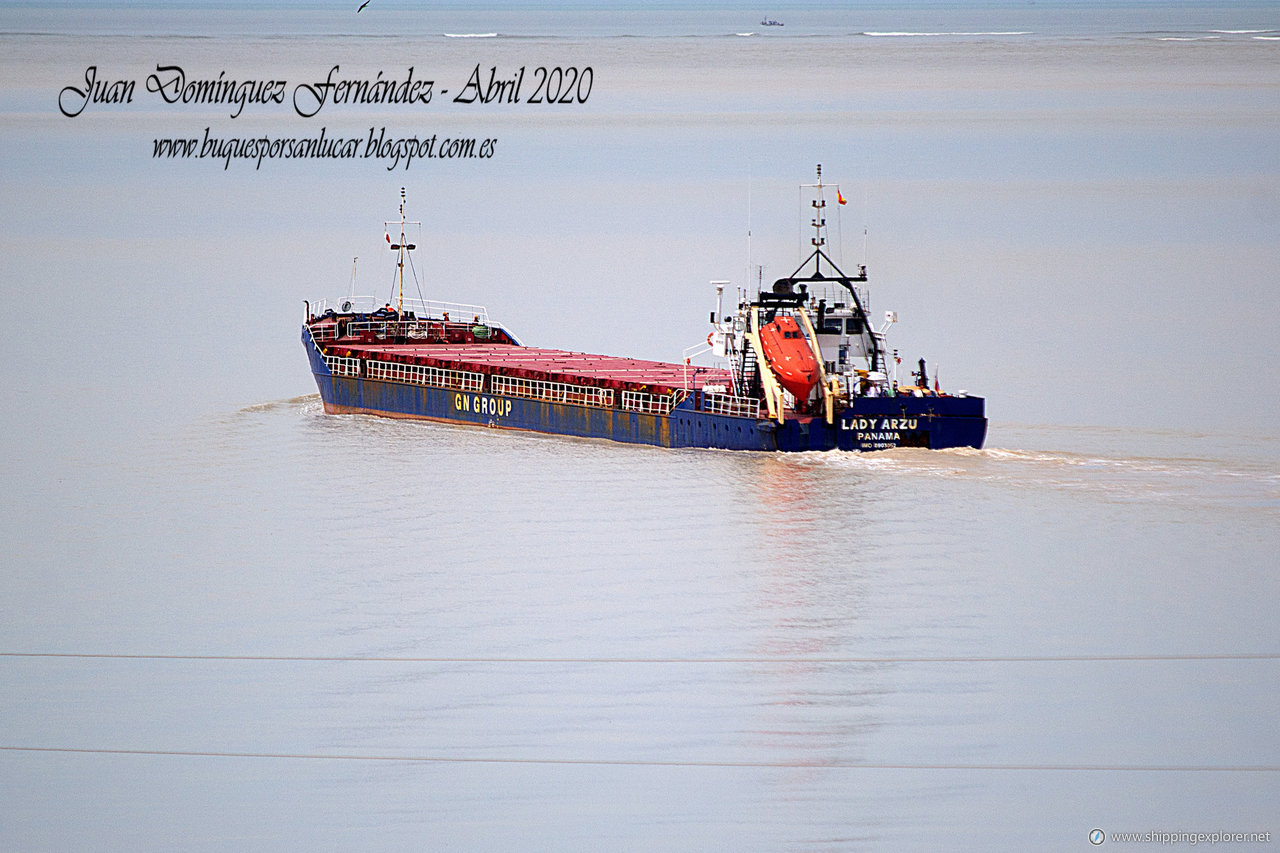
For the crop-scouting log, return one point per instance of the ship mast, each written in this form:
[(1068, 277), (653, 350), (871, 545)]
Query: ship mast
[(819, 221), (819, 255), (400, 248)]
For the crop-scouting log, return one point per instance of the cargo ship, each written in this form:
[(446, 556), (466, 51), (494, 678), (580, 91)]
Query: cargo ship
[(798, 366)]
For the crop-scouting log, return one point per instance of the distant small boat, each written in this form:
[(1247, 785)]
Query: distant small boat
[(770, 22)]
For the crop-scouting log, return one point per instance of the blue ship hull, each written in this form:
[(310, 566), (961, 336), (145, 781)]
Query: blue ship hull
[(870, 423)]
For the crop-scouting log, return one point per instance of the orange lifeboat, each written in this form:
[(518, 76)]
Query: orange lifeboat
[(790, 356)]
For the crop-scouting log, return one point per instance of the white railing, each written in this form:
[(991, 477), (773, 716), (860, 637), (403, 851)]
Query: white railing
[(553, 392), (727, 404), (427, 331), (340, 365), (418, 330), (458, 312), (693, 352), (653, 404), (421, 374)]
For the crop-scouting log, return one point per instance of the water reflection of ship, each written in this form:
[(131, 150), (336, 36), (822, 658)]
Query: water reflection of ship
[(818, 706)]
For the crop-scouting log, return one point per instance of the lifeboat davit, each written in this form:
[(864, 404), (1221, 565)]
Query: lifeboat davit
[(790, 356)]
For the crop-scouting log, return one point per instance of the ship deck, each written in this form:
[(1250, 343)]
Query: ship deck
[(545, 364)]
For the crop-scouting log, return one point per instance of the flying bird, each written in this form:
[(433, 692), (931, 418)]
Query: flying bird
[(362, 5)]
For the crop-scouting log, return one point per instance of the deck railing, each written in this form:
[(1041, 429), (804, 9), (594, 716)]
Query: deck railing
[(552, 392), (728, 404), (426, 331), (457, 312), (340, 365), (421, 374), (652, 404), (417, 330)]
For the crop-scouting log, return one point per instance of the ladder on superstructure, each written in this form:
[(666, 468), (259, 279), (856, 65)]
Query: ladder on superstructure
[(747, 380)]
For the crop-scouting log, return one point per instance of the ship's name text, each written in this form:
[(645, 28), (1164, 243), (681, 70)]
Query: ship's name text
[(481, 405), (882, 424)]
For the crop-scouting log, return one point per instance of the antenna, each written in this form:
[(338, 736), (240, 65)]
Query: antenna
[(864, 227), (749, 256)]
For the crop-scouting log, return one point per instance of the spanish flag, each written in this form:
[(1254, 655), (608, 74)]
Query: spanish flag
[(840, 198)]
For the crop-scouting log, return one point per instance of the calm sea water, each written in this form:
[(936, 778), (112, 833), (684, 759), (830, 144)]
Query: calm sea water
[(229, 621)]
